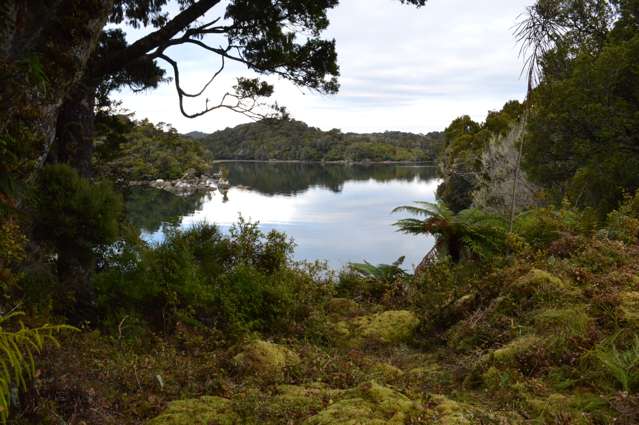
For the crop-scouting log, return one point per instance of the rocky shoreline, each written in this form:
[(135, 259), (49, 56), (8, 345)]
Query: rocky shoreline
[(186, 185)]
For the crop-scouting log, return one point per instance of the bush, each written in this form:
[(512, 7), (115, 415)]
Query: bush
[(240, 282)]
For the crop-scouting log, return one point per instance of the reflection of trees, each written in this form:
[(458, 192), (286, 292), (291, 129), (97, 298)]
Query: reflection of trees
[(292, 178), (148, 209)]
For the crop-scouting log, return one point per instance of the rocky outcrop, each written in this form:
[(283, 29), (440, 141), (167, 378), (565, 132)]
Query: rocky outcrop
[(494, 183)]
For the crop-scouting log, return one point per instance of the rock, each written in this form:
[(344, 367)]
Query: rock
[(199, 411), (265, 359), (629, 307)]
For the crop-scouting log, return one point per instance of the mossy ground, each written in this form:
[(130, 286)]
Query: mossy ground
[(525, 342)]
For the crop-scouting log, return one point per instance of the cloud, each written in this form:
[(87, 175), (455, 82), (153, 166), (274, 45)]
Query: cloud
[(402, 69)]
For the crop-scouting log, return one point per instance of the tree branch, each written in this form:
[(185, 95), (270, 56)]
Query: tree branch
[(242, 104), (157, 38)]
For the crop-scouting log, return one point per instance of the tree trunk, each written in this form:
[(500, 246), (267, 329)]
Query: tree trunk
[(44, 51), (75, 126)]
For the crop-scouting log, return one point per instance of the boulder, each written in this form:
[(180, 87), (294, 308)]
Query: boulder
[(265, 359)]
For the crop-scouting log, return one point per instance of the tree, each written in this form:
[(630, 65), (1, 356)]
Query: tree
[(262, 35), (468, 233), (582, 141)]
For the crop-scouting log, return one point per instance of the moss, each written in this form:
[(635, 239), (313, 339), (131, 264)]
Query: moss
[(574, 409), (565, 322), (388, 327), (199, 411), (542, 287), (385, 372), (510, 353), (289, 404), (629, 307), (265, 359), (450, 412), (370, 404)]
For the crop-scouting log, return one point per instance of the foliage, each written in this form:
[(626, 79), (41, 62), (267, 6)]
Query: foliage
[(17, 362), (72, 219), (581, 140), (74, 214), (471, 233), (293, 140), (243, 281), (383, 272), (622, 365), (139, 150)]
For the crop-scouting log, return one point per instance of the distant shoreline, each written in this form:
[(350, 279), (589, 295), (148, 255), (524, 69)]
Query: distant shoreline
[(339, 162)]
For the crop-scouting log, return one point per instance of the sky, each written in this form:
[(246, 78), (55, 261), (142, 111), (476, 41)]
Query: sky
[(402, 68)]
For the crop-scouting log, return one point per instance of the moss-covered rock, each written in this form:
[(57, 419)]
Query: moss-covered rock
[(629, 307), (370, 404), (568, 322), (198, 411), (388, 327), (265, 359), (288, 404), (515, 350), (542, 287)]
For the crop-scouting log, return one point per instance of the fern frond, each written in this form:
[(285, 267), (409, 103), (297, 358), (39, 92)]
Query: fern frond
[(17, 355)]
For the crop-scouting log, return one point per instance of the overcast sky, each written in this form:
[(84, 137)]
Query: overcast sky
[(402, 68)]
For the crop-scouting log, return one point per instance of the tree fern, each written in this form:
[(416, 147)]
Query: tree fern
[(471, 231), (17, 351), (381, 272)]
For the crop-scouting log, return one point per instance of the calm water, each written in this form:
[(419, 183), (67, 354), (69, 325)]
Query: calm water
[(333, 212)]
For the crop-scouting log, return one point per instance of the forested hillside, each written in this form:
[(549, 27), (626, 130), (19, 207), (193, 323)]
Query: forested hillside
[(294, 140), (127, 150)]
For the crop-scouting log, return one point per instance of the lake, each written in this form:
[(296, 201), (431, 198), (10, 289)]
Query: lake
[(337, 213)]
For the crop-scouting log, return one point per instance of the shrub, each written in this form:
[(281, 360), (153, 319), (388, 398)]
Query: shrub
[(240, 282)]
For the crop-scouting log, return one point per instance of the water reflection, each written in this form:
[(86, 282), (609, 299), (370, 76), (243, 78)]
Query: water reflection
[(293, 178), (336, 213)]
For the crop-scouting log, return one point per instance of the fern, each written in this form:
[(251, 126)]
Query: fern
[(622, 365), (381, 272), (17, 351)]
